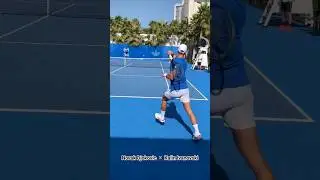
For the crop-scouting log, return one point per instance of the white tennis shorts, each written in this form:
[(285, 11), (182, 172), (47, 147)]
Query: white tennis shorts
[(236, 105), (182, 94)]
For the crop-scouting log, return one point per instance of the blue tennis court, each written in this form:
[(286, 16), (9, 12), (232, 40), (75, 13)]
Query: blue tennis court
[(53, 92), (136, 91), (281, 66)]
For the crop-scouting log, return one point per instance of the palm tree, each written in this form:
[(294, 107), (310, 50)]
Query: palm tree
[(200, 22), (116, 24), (158, 33), (199, 27), (123, 30), (116, 29), (134, 32), (185, 31), (126, 31), (177, 28)]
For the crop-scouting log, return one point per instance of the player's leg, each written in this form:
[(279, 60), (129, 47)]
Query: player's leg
[(185, 99), (161, 116), (193, 119), (247, 143), (240, 120)]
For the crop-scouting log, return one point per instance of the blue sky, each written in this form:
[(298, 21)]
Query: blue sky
[(144, 10)]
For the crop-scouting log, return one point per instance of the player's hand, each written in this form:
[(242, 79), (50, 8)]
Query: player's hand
[(164, 75), (170, 57)]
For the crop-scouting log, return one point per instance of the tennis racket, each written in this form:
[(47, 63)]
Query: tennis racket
[(223, 38)]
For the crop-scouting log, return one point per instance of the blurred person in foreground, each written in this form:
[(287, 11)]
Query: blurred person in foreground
[(234, 100)]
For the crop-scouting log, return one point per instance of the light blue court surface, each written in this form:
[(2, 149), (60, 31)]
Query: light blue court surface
[(48, 63), (135, 97), (53, 96), (282, 67)]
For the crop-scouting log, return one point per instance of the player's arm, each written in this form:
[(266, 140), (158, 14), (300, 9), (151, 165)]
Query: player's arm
[(171, 55), (176, 73), (171, 75), (219, 28)]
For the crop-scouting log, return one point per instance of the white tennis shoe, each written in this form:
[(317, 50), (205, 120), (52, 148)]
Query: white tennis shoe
[(159, 118), (196, 136)]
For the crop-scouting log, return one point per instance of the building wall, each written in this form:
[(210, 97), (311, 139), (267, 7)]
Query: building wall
[(186, 9), (177, 11)]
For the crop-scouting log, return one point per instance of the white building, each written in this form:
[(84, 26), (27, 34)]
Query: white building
[(186, 9)]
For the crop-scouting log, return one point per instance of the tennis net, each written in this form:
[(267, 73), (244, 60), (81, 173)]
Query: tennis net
[(140, 62), (96, 9)]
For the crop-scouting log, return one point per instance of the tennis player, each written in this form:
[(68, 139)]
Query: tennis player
[(126, 52), (178, 89), (235, 102)]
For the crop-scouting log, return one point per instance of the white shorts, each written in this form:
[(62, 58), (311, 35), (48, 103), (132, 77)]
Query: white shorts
[(182, 94), (236, 106)]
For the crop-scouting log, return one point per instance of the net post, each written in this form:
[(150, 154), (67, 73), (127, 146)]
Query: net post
[(125, 61)]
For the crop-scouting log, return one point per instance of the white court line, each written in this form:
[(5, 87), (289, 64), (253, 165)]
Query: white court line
[(275, 119), (164, 77), (54, 111), (23, 27), (278, 90), (55, 12), (123, 75), (147, 97), (118, 69), (32, 23), (51, 44), (194, 87)]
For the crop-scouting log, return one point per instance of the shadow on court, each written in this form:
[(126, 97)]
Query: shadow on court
[(217, 172), (159, 169), (172, 112)]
